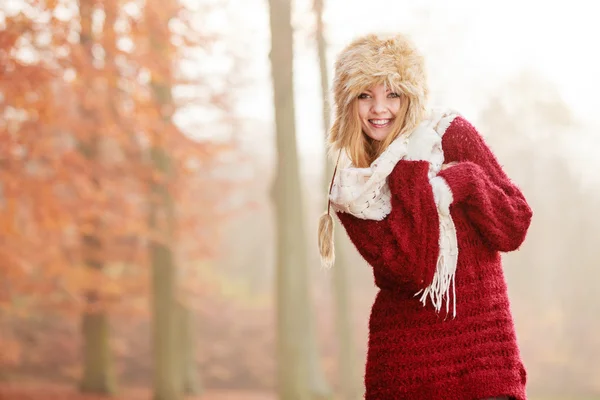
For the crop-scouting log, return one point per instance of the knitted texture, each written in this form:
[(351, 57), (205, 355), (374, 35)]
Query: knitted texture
[(365, 193), (414, 352)]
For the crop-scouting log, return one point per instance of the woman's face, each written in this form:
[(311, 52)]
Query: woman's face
[(377, 110)]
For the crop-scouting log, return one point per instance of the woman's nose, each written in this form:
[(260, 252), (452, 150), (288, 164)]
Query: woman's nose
[(378, 106)]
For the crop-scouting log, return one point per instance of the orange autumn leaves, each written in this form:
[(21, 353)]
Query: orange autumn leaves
[(76, 116)]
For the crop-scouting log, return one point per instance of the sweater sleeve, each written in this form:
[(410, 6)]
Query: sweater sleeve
[(493, 204), (413, 223), (402, 248)]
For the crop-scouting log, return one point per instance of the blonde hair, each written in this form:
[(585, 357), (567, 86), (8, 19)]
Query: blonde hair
[(366, 62)]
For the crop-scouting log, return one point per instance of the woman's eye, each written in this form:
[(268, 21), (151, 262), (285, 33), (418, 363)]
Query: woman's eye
[(363, 96), (394, 95)]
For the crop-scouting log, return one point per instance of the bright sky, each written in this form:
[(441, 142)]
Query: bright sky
[(471, 47)]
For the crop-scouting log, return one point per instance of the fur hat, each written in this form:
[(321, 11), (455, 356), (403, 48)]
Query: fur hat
[(368, 61), (375, 59)]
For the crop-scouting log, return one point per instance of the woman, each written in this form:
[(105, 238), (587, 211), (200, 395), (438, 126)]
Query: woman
[(427, 205)]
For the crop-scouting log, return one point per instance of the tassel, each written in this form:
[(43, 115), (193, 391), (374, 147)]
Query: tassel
[(326, 247)]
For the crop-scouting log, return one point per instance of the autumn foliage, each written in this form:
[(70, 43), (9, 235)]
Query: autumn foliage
[(78, 121), (82, 118)]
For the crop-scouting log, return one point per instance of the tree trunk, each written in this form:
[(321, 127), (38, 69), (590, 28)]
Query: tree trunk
[(98, 376), (349, 377), (299, 370), (167, 378), (190, 372), (318, 386), (98, 371), (168, 383)]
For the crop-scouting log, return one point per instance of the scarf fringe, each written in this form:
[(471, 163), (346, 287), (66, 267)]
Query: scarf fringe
[(443, 287), (444, 278)]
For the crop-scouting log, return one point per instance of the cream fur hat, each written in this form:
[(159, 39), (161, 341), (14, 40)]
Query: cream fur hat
[(376, 59), (370, 60)]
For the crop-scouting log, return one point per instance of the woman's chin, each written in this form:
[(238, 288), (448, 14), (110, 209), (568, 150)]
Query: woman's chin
[(379, 136)]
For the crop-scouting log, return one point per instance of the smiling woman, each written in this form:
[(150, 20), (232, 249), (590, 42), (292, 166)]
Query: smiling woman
[(420, 185)]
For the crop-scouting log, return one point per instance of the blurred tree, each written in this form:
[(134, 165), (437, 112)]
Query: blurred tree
[(32, 215), (168, 382), (56, 151), (98, 370), (299, 371), (78, 119), (187, 337), (349, 376)]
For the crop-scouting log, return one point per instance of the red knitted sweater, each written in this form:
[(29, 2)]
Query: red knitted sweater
[(414, 352)]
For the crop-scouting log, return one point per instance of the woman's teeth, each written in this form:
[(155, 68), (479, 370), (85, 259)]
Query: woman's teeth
[(379, 123)]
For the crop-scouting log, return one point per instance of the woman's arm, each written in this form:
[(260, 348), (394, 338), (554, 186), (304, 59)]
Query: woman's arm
[(413, 223), (494, 205), (402, 248)]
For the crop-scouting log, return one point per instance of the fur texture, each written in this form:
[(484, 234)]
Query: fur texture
[(325, 236), (375, 59)]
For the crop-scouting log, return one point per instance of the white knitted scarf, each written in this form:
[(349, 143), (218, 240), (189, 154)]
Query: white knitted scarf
[(364, 193)]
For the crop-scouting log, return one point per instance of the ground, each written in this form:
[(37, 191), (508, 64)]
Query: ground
[(48, 391), (39, 391)]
